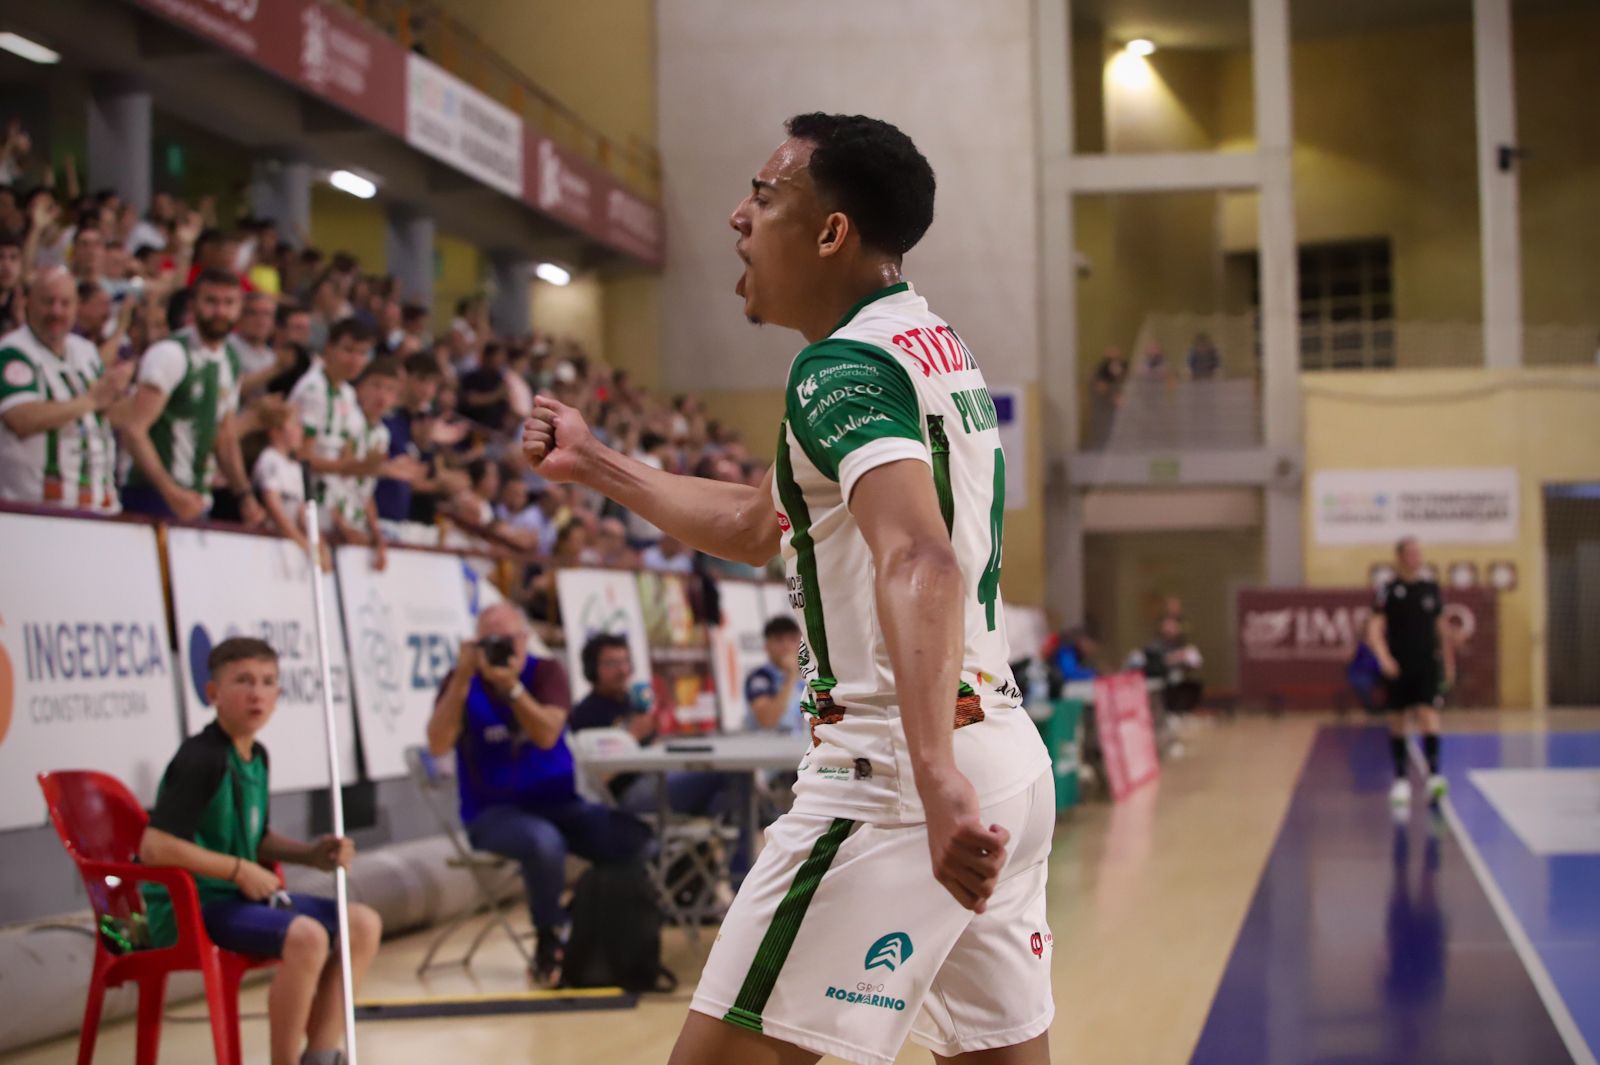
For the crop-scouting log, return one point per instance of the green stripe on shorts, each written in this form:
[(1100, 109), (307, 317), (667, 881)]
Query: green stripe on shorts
[(779, 938)]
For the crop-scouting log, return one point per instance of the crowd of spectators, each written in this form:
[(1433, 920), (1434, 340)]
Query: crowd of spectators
[(177, 364)]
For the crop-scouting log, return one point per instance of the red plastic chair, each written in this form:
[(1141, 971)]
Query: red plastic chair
[(100, 823)]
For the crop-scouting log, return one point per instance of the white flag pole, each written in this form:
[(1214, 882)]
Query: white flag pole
[(335, 785)]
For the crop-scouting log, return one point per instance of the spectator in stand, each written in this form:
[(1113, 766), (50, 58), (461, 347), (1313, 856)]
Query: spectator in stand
[(355, 511), (328, 306), (56, 445), (291, 341), (211, 819), (484, 398), (611, 545), (259, 361), (419, 387), (182, 422), (261, 247), (217, 251), (1153, 367), (279, 480), (1110, 376), (471, 323), (391, 335), (775, 689), (331, 415), (97, 325), (151, 230), (414, 323), (1173, 659), (504, 713), (1073, 656), (88, 253), (668, 556), (11, 289), (1204, 360)]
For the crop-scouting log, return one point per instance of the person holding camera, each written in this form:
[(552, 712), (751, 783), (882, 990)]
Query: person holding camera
[(504, 713)]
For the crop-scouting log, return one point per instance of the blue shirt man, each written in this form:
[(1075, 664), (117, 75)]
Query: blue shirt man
[(504, 713), (774, 690)]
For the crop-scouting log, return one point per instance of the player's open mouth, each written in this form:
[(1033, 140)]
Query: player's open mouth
[(738, 289)]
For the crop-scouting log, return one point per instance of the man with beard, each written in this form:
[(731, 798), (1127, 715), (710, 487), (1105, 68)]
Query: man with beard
[(55, 444), (183, 413)]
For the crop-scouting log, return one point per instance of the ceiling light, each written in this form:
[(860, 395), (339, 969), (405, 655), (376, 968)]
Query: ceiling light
[(354, 184), (552, 273), (1141, 46), (32, 51)]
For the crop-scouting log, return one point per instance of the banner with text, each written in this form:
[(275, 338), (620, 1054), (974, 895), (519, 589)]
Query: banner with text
[(1127, 736), (1295, 644), (321, 47), (233, 584), (457, 124), (404, 625), (595, 601), (1462, 505), (85, 677)]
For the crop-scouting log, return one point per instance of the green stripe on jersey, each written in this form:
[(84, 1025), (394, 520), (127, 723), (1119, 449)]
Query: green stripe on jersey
[(785, 926), (805, 549)]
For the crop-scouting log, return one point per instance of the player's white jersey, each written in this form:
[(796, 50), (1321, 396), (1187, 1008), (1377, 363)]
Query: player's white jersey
[(334, 424), (71, 465), (893, 381)]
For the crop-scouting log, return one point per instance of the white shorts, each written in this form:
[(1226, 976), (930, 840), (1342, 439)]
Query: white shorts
[(841, 941)]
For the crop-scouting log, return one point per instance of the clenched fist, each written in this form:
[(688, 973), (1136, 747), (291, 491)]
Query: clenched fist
[(557, 441)]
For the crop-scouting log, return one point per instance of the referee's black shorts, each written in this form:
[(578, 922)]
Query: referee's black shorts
[(1417, 685)]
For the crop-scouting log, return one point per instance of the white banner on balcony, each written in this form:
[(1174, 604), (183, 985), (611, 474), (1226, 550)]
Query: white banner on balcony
[(595, 601), (405, 625), (234, 584), (457, 124), (1460, 505), (85, 676)]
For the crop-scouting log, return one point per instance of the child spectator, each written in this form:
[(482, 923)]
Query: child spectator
[(210, 820), (351, 499), (326, 402), (279, 480)]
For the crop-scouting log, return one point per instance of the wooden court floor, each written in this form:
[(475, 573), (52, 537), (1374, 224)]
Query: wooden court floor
[(1146, 900)]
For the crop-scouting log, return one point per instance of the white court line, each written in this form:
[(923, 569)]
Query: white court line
[(1566, 1027)]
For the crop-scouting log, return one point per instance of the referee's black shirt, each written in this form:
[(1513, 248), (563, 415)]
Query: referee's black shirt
[(1411, 621)]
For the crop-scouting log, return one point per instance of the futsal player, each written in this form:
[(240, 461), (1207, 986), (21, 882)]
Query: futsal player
[(904, 893), (1407, 634)]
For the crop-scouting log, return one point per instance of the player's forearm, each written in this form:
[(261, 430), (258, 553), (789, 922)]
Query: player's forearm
[(444, 726), (29, 419), (279, 848), (136, 438), (162, 848), (919, 598), (731, 521)]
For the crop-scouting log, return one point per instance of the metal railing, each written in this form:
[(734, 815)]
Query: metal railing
[(420, 26)]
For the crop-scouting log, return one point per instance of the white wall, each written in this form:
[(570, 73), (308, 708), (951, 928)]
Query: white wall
[(956, 76)]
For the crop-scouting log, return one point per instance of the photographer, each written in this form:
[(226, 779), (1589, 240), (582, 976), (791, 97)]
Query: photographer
[(504, 713)]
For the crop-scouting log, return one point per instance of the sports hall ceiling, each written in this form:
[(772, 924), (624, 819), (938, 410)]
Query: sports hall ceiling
[(1226, 23)]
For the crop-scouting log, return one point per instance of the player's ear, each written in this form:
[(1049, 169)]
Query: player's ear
[(835, 230)]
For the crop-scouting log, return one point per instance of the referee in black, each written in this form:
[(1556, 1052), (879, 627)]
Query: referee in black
[(1406, 633)]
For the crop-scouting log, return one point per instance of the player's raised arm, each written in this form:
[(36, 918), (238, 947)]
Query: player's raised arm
[(732, 521), (921, 603)]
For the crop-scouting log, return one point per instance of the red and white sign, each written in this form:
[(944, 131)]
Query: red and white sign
[(320, 47), (1127, 737), (1295, 644)]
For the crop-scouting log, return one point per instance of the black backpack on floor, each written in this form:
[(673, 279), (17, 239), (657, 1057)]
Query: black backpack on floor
[(616, 932)]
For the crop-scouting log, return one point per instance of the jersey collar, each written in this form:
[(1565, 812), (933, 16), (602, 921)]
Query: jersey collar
[(892, 290)]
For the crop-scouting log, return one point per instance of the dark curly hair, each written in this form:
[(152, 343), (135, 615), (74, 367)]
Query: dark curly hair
[(873, 173)]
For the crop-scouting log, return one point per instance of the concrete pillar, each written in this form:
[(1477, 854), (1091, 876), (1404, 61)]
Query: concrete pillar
[(1058, 313), (510, 312), (1501, 240), (408, 249), (280, 190), (119, 138), (1280, 290)]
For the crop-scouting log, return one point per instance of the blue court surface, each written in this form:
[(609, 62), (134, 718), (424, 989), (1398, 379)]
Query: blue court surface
[(1372, 941)]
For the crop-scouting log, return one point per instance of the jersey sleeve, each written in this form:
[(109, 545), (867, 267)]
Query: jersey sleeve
[(852, 407), (187, 787), (164, 366), (19, 380), (311, 403)]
